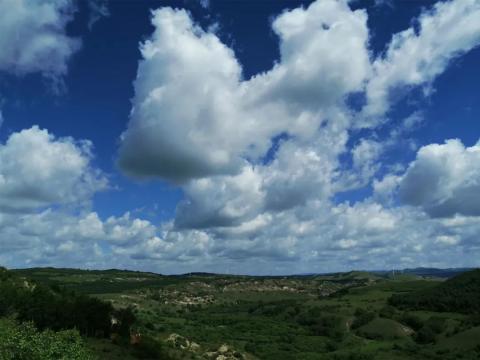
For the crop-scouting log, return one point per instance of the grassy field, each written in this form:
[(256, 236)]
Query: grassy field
[(336, 316)]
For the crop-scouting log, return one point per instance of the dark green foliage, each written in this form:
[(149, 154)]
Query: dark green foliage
[(428, 333), (25, 342), (425, 335), (387, 311), (322, 323), (436, 324), (58, 309), (362, 317), (411, 320), (149, 348), (459, 294), (126, 318)]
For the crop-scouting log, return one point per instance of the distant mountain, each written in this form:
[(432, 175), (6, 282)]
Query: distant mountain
[(443, 273), (375, 274), (423, 272)]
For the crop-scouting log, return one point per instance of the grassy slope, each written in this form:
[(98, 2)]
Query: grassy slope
[(384, 329), (458, 294)]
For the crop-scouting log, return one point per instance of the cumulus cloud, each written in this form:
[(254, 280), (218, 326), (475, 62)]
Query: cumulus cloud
[(416, 56), (174, 135), (221, 201), (365, 235), (365, 156), (444, 180), (313, 74), (259, 160), (33, 37), (37, 170), (226, 121)]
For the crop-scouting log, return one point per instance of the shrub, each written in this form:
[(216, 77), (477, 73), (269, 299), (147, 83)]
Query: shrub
[(387, 311), (362, 317), (425, 335), (411, 320), (25, 342)]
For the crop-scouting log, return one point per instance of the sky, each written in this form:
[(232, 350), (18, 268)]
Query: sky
[(239, 136)]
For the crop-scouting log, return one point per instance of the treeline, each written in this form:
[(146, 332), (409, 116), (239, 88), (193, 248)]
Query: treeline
[(59, 309), (459, 294)]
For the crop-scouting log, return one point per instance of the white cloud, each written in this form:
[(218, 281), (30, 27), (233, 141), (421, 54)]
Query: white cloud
[(226, 121), (33, 37), (205, 3), (38, 170), (416, 57), (385, 190), (444, 180), (174, 135), (221, 201), (251, 198), (365, 157), (98, 9), (366, 236), (447, 240), (254, 204), (312, 74)]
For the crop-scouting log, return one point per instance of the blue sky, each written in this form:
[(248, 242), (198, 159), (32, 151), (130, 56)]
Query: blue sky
[(239, 136)]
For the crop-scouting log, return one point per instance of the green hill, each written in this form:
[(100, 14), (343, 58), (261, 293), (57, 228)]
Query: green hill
[(380, 328), (468, 339), (459, 294)]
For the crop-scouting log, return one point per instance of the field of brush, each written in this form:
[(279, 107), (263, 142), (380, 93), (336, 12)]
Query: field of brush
[(340, 316)]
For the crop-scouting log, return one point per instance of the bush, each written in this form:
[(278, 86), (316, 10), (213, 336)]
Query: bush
[(436, 324), (362, 317), (411, 320), (149, 348), (425, 335), (25, 342), (58, 309), (387, 311)]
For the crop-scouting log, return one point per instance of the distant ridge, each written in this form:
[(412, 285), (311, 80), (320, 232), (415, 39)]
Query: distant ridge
[(419, 271), (443, 273)]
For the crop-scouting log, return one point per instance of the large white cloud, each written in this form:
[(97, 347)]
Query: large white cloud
[(312, 74), (419, 54), (224, 120), (38, 170), (260, 160), (183, 121), (33, 36), (444, 179)]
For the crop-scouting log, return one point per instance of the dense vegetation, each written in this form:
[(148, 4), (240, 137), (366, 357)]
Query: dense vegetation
[(459, 294), (49, 313), (341, 316), (25, 342), (54, 308)]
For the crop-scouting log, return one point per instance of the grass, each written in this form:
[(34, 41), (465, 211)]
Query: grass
[(269, 317), (468, 339)]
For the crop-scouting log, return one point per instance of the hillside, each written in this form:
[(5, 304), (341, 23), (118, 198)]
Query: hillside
[(458, 294)]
